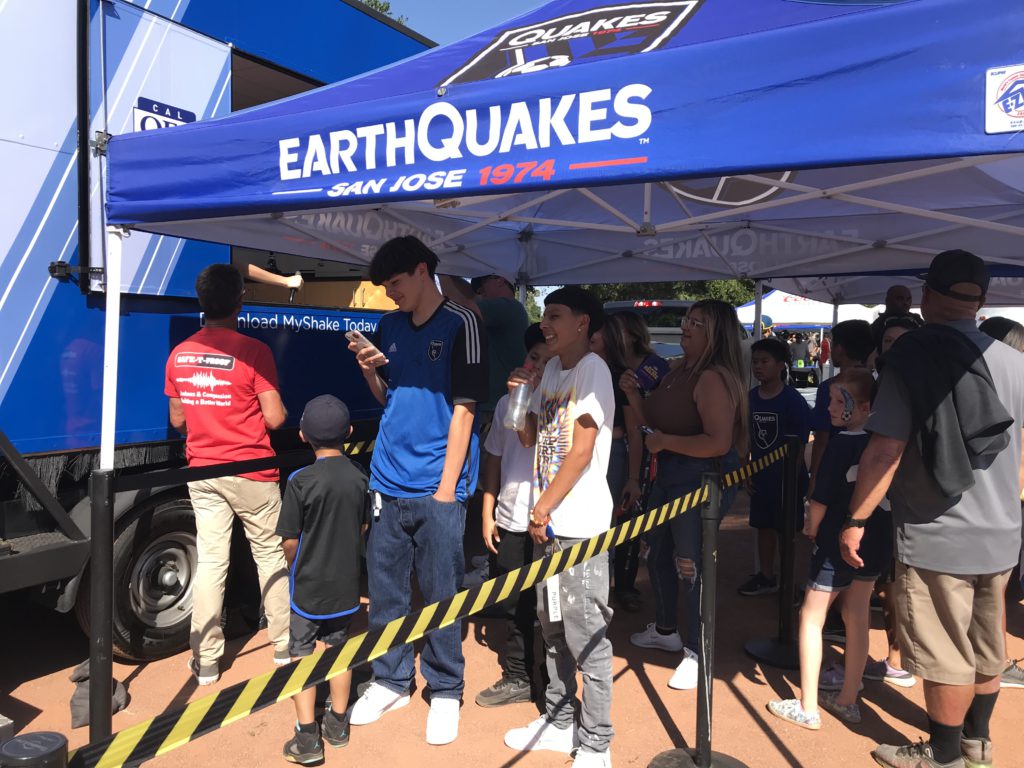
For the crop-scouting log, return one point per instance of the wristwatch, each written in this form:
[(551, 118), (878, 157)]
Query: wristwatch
[(853, 523)]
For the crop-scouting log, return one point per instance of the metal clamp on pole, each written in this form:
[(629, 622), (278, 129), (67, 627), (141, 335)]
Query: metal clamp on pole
[(783, 651), (702, 756), (101, 601)]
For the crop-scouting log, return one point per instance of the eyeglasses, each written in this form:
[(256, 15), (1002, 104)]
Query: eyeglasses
[(692, 322)]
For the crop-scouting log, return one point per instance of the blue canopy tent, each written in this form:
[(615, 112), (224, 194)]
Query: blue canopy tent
[(589, 141)]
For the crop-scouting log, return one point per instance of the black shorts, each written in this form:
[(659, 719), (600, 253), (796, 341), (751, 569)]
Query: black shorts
[(305, 632)]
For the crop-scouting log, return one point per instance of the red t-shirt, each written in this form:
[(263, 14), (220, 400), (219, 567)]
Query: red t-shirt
[(217, 374)]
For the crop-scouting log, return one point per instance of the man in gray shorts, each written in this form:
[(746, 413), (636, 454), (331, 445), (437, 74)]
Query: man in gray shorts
[(946, 447)]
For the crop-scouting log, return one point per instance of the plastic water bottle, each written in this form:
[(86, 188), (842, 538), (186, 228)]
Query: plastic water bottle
[(518, 405)]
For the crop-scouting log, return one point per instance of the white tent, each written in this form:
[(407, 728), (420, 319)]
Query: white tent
[(787, 310)]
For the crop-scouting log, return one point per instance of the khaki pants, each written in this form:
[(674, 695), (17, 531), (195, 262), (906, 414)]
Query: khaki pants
[(216, 503)]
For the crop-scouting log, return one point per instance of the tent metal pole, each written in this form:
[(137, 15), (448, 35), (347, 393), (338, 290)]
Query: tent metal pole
[(111, 341), (755, 329), (835, 322)]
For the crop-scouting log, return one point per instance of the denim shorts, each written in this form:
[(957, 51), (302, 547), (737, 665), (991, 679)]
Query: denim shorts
[(831, 573), (305, 632)]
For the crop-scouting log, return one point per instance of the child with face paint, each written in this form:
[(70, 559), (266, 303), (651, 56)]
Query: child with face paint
[(828, 513)]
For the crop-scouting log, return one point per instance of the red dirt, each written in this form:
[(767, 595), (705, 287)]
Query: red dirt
[(41, 648)]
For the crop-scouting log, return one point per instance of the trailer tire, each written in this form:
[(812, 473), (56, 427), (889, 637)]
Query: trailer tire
[(154, 570)]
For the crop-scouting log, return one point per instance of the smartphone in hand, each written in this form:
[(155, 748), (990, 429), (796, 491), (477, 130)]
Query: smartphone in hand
[(361, 341)]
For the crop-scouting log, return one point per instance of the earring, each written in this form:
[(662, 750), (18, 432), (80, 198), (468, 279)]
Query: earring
[(579, 330)]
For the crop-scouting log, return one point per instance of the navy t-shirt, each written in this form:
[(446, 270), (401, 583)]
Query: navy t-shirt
[(431, 366), (770, 421), (837, 477), (325, 507)]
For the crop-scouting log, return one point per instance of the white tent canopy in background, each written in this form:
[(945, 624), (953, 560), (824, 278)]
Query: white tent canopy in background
[(789, 311)]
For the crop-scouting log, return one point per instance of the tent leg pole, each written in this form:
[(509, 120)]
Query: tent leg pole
[(755, 329), (111, 342), (835, 322), (101, 491)]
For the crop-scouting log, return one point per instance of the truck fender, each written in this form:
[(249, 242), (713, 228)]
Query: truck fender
[(126, 504)]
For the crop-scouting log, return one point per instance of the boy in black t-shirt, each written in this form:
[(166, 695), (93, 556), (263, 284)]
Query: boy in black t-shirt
[(323, 517), (828, 514)]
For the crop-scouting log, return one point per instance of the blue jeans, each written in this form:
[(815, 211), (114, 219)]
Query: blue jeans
[(677, 476), (427, 535)]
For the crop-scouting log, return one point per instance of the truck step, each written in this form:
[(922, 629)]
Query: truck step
[(39, 558)]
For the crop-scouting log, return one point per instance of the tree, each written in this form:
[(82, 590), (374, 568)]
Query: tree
[(533, 310), (384, 6), (734, 292)]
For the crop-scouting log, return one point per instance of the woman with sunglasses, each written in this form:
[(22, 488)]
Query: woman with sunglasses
[(699, 422)]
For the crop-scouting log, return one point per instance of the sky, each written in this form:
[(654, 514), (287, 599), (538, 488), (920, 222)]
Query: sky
[(445, 21)]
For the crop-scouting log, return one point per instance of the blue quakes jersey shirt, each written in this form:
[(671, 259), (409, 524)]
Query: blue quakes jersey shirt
[(430, 368)]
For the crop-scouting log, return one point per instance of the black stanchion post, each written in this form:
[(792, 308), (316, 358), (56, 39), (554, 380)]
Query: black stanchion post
[(101, 598), (702, 756), (783, 651), (45, 749)]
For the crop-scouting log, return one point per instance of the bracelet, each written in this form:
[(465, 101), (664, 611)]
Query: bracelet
[(854, 523)]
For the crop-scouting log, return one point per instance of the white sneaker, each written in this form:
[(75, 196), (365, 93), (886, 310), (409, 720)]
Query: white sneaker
[(685, 676), (592, 759), (443, 721), (376, 701), (541, 734), (651, 638)]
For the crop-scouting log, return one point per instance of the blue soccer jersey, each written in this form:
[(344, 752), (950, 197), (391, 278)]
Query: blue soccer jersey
[(431, 367)]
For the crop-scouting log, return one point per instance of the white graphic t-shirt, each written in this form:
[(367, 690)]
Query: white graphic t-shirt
[(516, 495), (560, 400)]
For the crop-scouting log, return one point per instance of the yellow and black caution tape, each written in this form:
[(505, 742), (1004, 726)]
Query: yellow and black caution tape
[(158, 736), (358, 447)]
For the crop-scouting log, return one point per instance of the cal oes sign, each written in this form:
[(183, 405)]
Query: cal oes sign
[(558, 42)]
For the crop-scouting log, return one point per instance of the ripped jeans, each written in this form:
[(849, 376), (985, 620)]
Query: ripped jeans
[(674, 553)]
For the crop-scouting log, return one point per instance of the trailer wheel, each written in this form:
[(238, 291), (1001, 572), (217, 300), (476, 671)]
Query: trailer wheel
[(154, 569)]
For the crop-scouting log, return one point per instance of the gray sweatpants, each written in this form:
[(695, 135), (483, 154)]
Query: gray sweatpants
[(579, 641)]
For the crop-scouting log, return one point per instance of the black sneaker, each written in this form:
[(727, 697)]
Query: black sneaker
[(759, 584), (304, 748), (508, 690), (334, 728)]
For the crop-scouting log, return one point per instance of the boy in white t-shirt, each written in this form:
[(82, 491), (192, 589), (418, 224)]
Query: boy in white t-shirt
[(508, 496), (571, 425)]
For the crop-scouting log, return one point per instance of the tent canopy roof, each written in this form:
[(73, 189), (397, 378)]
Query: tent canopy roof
[(590, 141)]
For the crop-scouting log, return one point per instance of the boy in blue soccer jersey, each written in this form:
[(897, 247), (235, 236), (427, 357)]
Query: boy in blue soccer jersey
[(429, 370), (776, 410), (323, 516)]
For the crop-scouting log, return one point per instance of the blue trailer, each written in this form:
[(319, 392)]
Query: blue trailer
[(80, 71)]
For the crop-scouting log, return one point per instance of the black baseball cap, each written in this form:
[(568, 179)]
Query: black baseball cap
[(325, 421), (580, 301), (957, 266)]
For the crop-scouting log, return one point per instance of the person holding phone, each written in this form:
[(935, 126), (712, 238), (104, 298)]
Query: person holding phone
[(428, 369)]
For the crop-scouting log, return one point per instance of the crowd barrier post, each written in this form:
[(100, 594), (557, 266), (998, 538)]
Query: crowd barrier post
[(45, 749), (101, 604), (702, 756), (783, 651)]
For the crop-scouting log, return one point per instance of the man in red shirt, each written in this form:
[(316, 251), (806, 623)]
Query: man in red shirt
[(223, 396)]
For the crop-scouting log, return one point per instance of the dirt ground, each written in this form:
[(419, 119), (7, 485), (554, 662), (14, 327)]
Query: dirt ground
[(41, 648)]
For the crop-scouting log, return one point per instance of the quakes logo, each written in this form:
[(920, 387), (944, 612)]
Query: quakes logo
[(558, 42)]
